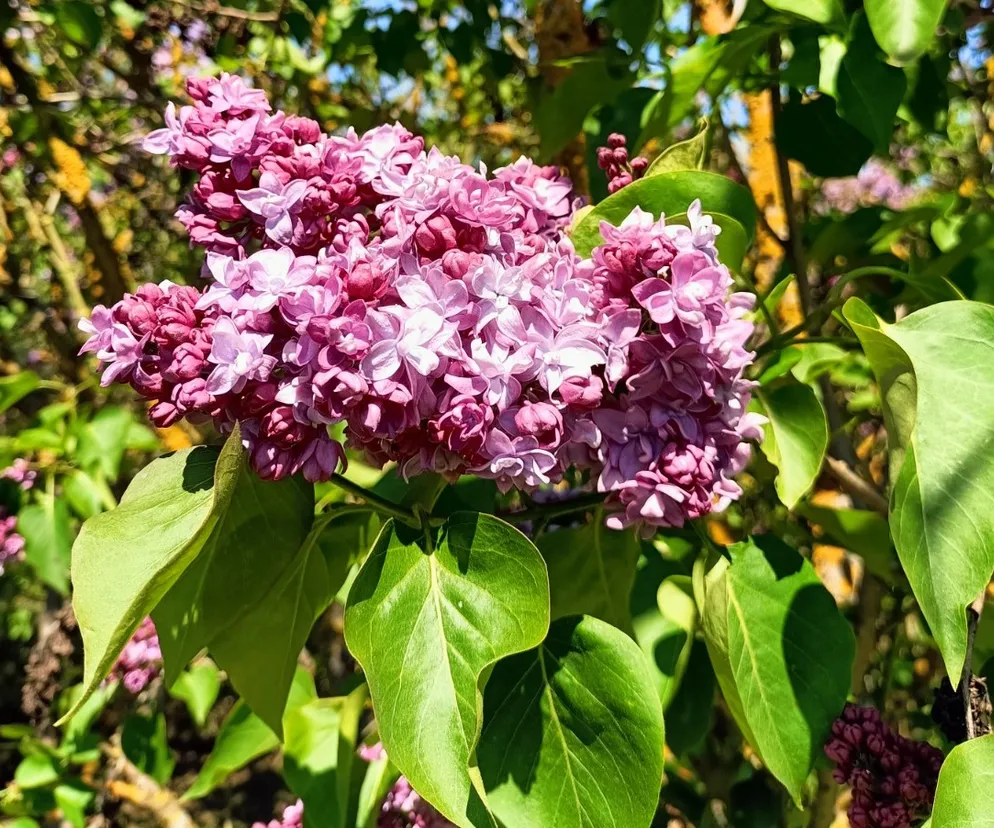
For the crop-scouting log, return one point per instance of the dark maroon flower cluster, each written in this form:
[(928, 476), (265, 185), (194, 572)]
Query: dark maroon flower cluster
[(613, 159), (892, 778)]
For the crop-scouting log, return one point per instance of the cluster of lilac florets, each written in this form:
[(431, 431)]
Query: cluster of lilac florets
[(293, 817), (892, 778), (140, 661), (440, 312), (402, 807), (613, 160), (11, 543), (21, 473)]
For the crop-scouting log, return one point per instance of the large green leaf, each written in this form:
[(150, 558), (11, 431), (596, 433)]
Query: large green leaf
[(425, 626), (869, 91), (253, 593), (244, 737), (573, 733), (820, 11), (904, 28), (794, 439), (788, 692), (591, 570), (936, 374), (670, 193), (126, 559), (964, 797), (47, 540), (79, 22)]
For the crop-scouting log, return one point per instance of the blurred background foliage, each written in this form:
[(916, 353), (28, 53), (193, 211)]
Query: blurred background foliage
[(864, 150)]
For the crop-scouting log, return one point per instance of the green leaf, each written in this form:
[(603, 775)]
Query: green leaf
[(79, 22), (103, 439), (789, 691), (121, 569), (198, 687), (244, 737), (573, 732), (691, 154), (669, 193), (964, 797), (935, 369), (820, 11), (904, 28), (794, 439), (36, 770), (813, 133), (425, 626), (560, 114), (47, 540), (591, 571), (688, 716), (709, 65), (143, 741), (73, 798), (15, 387), (320, 761), (83, 494), (869, 91), (253, 592)]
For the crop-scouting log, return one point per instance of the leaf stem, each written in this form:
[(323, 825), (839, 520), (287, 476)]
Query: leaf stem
[(375, 502)]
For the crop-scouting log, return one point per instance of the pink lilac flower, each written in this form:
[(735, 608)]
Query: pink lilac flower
[(11, 543), (440, 313), (293, 817), (140, 661), (892, 778), (21, 473)]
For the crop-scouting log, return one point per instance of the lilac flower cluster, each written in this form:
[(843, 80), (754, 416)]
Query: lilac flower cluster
[(140, 661), (293, 817), (893, 779), (11, 543), (440, 312), (874, 184), (402, 807), (21, 473), (613, 160)]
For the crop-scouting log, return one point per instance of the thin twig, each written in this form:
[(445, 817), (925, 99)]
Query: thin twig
[(557, 509), (855, 485), (973, 613), (375, 502)]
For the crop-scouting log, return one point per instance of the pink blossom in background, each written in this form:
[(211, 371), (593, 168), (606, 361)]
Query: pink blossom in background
[(402, 807), (293, 817), (11, 543), (21, 473), (440, 312), (140, 661)]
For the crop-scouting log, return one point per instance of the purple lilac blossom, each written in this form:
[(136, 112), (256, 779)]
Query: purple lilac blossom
[(140, 661), (892, 778), (293, 817), (438, 311), (11, 543), (21, 473)]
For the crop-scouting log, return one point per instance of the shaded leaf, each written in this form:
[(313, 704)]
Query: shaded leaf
[(573, 733), (425, 626)]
